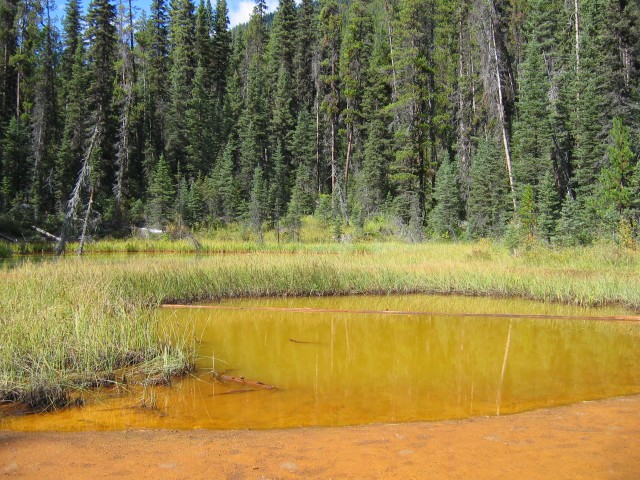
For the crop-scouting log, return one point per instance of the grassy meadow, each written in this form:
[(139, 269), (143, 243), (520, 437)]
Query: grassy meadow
[(76, 322)]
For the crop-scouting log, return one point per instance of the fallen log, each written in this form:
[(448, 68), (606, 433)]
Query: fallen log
[(8, 238), (241, 381), (45, 233)]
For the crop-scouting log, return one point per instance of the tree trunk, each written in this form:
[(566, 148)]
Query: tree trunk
[(86, 222), (318, 169), (394, 81), (577, 29), (505, 139), (348, 160), (72, 205)]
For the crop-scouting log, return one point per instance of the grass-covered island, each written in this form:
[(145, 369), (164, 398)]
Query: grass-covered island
[(75, 322)]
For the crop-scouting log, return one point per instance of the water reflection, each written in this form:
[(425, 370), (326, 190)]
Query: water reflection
[(350, 368)]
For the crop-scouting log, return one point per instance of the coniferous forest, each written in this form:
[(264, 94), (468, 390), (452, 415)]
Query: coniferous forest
[(447, 118)]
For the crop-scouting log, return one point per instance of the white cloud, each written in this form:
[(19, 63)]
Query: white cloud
[(241, 11), (272, 5)]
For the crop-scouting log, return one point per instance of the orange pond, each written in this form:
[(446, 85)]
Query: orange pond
[(344, 367)]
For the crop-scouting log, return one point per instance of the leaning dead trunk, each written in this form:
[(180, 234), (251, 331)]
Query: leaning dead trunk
[(347, 163), (87, 215), (83, 177), (505, 139)]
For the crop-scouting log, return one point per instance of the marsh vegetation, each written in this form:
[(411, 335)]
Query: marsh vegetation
[(72, 323)]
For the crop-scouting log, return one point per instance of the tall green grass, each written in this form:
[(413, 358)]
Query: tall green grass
[(75, 322), (5, 250)]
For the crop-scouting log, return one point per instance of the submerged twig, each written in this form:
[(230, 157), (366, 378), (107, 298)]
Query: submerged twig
[(242, 381)]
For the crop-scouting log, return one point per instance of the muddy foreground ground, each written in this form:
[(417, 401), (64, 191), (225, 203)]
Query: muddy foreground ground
[(592, 440)]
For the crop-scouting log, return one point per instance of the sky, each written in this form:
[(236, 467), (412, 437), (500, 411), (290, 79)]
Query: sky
[(239, 10)]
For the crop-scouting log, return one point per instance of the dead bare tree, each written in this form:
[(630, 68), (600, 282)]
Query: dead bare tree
[(501, 115), (127, 79), (84, 178)]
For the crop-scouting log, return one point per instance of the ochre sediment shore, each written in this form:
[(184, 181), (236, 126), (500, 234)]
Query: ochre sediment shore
[(590, 440)]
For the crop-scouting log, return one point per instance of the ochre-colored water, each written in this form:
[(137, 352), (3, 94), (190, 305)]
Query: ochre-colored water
[(339, 368)]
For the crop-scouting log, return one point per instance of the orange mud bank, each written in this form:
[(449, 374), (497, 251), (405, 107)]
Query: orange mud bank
[(591, 440)]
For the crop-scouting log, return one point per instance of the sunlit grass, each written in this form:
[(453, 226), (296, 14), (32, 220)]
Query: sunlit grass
[(72, 322)]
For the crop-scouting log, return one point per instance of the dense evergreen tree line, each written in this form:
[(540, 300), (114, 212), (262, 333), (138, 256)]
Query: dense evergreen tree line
[(451, 118)]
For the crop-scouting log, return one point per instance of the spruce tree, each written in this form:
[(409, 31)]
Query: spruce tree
[(199, 119), (75, 127), (44, 124), (71, 37), (532, 132), (306, 38), (303, 148), (444, 217), (330, 25), (253, 124), (221, 49), (616, 200), (278, 188), (573, 225), (548, 207), (257, 203), (591, 103), (182, 58), (355, 54), (160, 194), (157, 83), (101, 57), (415, 154), (301, 202), (488, 203), (15, 151), (220, 61), (227, 201), (373, 181), (8, 44)]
